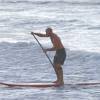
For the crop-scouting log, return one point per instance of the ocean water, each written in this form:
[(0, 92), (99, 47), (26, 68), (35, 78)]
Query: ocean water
[(77, 22)]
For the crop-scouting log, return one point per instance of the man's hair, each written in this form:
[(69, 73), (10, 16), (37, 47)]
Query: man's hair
[(50, 29)]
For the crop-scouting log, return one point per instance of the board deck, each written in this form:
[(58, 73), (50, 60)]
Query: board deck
[(30, 84), (43, 85)]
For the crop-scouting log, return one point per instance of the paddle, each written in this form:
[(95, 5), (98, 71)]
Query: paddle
[(43, 50)]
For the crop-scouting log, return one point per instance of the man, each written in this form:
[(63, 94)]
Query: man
[(60, 55)]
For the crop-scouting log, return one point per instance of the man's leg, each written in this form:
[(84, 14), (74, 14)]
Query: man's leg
[(59, 73)]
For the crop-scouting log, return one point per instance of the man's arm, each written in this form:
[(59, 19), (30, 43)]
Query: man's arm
[(39, 34), (50, 49)]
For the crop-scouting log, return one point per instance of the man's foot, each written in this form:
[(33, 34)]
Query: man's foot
[(59, 82), (55, 81)]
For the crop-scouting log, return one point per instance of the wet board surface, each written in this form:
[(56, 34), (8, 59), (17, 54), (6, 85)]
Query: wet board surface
[(30, 84), (43, 85)]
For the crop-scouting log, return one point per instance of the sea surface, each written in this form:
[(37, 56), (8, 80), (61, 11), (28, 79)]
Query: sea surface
[(76, 22)]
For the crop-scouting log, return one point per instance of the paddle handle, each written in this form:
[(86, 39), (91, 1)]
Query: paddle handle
[(43, 50)]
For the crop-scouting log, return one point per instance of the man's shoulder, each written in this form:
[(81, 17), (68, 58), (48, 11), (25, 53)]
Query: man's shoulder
[(56, 36)]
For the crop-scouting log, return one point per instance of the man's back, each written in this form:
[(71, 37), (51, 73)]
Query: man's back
[(56, 41)]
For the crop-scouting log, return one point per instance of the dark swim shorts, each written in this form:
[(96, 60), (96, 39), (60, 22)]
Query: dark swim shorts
[(60, 56)]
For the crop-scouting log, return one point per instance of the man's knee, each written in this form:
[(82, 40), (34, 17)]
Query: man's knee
[(57, 66)]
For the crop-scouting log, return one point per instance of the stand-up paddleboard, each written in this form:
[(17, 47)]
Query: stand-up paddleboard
[(30, 84), (88, 83), (44, 85)]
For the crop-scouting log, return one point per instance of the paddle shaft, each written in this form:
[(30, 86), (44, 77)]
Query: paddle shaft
[(43, 50)]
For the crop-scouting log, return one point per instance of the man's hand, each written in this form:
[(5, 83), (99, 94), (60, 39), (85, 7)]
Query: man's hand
[(32, 33), (45, 50)]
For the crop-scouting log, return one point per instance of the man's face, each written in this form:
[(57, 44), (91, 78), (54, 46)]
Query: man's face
[(48, 32)]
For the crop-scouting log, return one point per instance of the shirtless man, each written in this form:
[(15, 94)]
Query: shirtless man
[(60, 55)]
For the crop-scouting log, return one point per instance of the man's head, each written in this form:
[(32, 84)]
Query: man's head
[(49, 31)]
